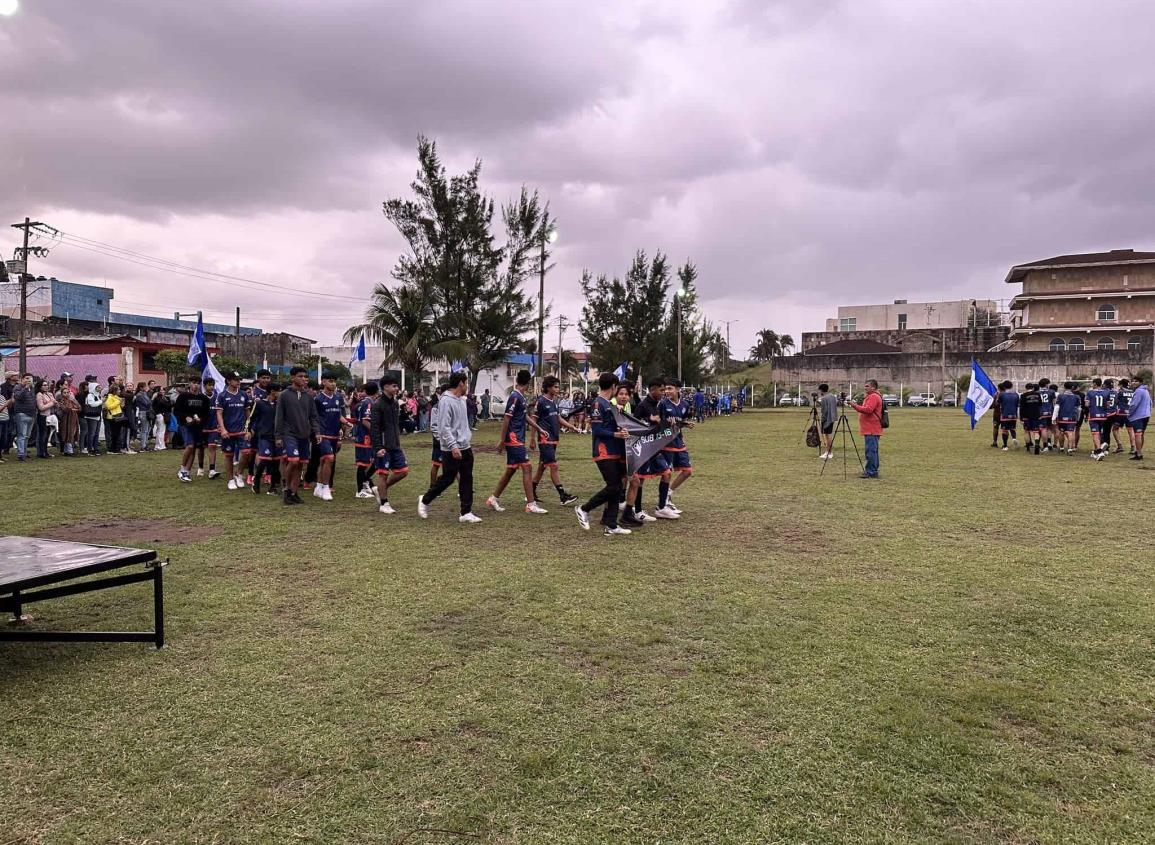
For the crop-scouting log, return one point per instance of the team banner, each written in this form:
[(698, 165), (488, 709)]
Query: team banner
[(646, 439)]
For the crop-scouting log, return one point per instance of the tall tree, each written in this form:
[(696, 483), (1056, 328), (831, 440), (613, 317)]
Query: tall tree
[(626, 319), (475, 285), (768, 345), (696, 331), (786, 342)]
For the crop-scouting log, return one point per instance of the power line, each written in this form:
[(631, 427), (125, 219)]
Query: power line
[(155, 263)]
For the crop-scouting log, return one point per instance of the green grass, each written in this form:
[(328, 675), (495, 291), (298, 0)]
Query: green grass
[(941, 656)]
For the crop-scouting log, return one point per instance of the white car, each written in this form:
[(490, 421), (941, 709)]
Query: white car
[(922, 400)]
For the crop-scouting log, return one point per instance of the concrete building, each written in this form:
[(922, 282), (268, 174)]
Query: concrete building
[(56, 307), (1099, 300), (902, 315)]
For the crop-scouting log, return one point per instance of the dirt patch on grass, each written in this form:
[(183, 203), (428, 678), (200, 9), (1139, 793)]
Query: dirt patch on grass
[(134, 531)]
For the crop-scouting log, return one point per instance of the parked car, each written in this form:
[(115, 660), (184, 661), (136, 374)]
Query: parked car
[(787, 399), (890, 400), (922, 400), (948, 401)]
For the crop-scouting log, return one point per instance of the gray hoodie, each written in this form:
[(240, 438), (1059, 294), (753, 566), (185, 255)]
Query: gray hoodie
[(453, 423)]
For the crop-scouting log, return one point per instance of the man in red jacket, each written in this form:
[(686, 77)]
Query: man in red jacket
[(870, 426)]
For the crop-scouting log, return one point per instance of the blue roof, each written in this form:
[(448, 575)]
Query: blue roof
[(524, 358), (175, 325)]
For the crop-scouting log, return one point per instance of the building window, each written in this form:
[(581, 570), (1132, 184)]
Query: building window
[(148, 361), (1134, 344), (1058, 345), (1076, 344), (848, 324), (1107, 343), (901, 322), (1106, 312)]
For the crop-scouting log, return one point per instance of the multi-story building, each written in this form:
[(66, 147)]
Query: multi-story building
[(902, 315), (1099, 300)]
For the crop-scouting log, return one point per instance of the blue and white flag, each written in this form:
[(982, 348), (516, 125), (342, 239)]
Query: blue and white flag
[(533, 367), (620, 372), (981, 394), (359, 354), (198, 356), (457, 366)]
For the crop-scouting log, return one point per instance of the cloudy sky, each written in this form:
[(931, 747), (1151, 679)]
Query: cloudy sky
[(804, 153)]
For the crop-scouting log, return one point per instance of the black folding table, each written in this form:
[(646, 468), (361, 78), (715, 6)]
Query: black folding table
[(29, 565)]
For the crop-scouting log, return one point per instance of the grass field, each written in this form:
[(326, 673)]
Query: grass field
[(960, 652)]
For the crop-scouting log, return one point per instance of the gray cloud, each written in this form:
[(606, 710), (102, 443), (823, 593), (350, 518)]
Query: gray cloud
[(797, 151)]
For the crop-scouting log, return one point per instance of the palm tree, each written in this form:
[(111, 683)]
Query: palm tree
[(769, 345), (400, 321), (785, 342)]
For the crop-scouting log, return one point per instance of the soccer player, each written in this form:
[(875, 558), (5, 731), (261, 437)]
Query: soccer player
[(1123, 396), (609, 453), (1139, 414), (1097, 417), (261, 385), (516, 457), (295, 429), (1009, 413), (232, 416), (435, 457), (192, 410), (212, 431), (1069, 409), (578, 416), (656, 467), (261, 429), (1047, 413), (330, 427), (1082, 412), (385, 434), (995, 416), (675, 409), (548, 423), (362, 437), (1030, 407)]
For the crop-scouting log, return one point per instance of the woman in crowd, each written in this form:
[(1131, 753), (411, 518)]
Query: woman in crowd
[(161, 408), (68, 418), (621, 399), (114, 419), (141, 409), (91, 410), (45, 407)]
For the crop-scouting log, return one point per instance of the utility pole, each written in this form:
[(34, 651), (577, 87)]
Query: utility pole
[(729, 352), (27, 226), (562, 325), (237, 336)]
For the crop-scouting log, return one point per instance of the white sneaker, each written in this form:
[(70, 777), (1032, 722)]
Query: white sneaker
[(1004, 448), (493, 504), (129, 452), (200, 472), (618, 531), (212, 474), (469, 518), (184, 476), (645, 517), (583, 518), (422, 508), (386, 508), (327, 494), (534, 507), (317, 488), (666, 513), (232, 484), (825, 456), (241, 483), (670, 506), (364, 494)]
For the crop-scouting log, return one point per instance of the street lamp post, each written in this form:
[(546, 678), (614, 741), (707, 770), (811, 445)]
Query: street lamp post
[(678, 307), (548, 234)]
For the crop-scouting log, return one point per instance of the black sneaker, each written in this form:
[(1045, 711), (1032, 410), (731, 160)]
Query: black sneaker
[(288, 498), (1135, 458), (630, 521), (568, 498), (296, 498)]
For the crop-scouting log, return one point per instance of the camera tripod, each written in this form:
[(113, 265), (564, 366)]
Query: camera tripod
[(843, 425)]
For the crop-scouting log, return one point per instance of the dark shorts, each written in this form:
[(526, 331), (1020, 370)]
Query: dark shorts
[(435, 455), (1068, 425), (296, 450), (1008, 425), (267, 449), (828, 429), (1140, 425), (1032, 425), (213, 436), (328, 449), (655, 467), (679, 460), (1098, 426), (516, 456), (193, 435), (547, 453), (393, 463), (363, 456), (235, 445)]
